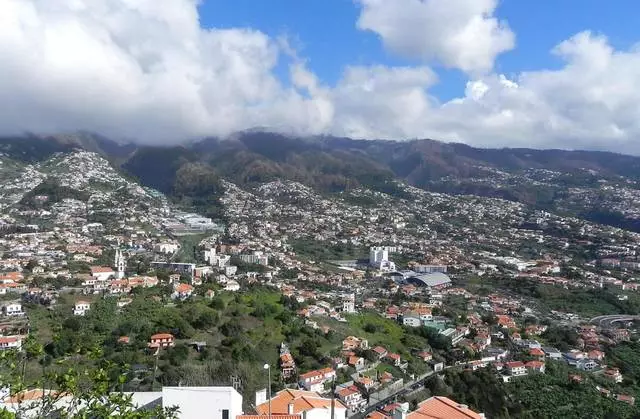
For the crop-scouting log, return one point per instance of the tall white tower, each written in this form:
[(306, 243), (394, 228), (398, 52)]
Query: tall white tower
[(120, 263)]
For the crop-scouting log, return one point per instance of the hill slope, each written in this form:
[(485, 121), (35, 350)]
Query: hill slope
[(599, 186)]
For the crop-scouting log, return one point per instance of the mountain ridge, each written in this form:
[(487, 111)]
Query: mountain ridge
[(544, 179)]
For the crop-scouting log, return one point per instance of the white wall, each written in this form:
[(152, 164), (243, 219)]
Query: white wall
[(199, 402), (340, 413)]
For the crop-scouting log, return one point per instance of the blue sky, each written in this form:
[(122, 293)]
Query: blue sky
[(326, 33)]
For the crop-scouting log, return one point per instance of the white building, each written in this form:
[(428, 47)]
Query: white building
[(349, 303), (379, 259), (10, 342), (12, 309), (411, 320), (166, 247), (120, 264), (232, 285), (102, 273), (192, 402), (255, 258), (81, 308), (211, 257)]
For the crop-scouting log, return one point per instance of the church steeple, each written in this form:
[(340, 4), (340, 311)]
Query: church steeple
[(120, 264)]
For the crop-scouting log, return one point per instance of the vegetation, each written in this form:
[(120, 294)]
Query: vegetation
[(550, 395)]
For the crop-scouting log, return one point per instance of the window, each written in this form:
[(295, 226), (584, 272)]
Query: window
[(225, 413)]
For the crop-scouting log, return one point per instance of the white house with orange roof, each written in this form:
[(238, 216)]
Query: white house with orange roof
[(314, 380), (437, 407), (308, 404), (182, 291), (351, 397), (10, 342), (102, 273)]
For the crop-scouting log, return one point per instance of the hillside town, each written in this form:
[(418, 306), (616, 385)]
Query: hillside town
[(449, 273)]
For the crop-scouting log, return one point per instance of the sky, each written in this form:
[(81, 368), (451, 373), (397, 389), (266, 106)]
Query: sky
[(489, 73)]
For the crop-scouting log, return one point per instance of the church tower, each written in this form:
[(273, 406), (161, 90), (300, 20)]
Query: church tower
[(120, 263)]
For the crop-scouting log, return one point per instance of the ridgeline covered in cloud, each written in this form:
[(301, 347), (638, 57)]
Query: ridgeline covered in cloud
[(149, 71)]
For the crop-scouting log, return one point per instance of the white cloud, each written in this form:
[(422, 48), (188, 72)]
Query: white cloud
[(462, 34), (130, 68)]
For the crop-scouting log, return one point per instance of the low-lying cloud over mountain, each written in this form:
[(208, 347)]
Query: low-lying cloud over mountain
[(148, 70)]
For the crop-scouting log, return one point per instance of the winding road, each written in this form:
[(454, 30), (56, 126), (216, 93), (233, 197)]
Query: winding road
[(613, 320)]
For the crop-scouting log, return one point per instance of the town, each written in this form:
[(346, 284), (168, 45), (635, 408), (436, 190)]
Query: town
[(357, 304)]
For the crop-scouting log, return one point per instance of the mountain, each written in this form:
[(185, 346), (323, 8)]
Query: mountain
[(598, 186)]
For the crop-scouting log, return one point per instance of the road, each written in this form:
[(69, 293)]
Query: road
[(609, 321)]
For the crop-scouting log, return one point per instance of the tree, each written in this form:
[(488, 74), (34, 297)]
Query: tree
[(79, 393)]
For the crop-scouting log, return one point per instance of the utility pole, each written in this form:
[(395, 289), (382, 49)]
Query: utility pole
[(268, 368), (333, 398)]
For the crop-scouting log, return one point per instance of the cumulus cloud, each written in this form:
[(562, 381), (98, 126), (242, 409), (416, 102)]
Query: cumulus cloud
[(129, 68), (134, 68), (460, 34)]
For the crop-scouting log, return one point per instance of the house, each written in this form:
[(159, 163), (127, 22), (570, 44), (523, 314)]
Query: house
[(537, 353), (437, 407), (161, 341), (626, 398), (436, 366), (102, 273), (516, 368), (380, 352), (356, 362), (12, 309), (506, 322), (314, 380), (287, 365), (535, 366), (10, 342), (596, 355), (307, 404), (124, 340), (552, 353), (351, 397), (351, 343), (425, 356), (613, 374), (393, 359), (232, 285), (586, 364), (81, 308), (366, 383), (173, 278), (182, 291), (411, 320), (209, 294)]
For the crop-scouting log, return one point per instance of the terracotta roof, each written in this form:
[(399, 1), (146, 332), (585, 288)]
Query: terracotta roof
[(162, 336), (273, 416), (9, 339), (514, 364), (377, 415), (346, 392), (101, 269), (302, 401), (34, 394), (534, 364), (182, 288), (379, 350), (442, 408)]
